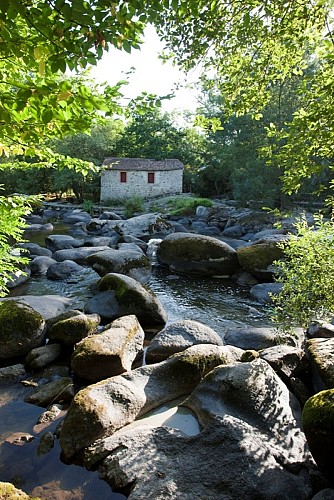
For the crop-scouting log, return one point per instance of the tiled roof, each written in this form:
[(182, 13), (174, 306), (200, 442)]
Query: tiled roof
[(141, 164)]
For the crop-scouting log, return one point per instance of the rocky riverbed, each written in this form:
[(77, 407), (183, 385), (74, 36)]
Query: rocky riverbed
[(92, 366)]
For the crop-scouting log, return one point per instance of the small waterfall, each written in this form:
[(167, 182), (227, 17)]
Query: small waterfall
[(152, 247)]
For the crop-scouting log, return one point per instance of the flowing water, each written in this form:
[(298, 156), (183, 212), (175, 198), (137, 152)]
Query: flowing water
[(219, 303)]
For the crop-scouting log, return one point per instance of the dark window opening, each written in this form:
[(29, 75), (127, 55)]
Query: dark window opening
[(150, 177), (123, 176)]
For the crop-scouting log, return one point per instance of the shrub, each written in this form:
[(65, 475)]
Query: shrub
[(187, 206), (307, 275), (132, 205)]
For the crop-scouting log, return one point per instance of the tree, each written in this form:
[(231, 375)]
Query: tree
[(154, 135), (252, 44), (40, 41)]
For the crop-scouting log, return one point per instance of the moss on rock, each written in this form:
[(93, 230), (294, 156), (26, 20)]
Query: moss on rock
[(21, 329), (318, 424)]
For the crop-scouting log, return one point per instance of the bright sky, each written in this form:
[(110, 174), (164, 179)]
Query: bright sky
[(150, 74)]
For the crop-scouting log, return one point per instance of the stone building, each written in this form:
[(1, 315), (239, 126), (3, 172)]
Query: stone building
[(123, 178)]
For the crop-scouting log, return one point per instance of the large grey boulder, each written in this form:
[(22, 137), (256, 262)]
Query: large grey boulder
[(130, 262), (47, 306), (21, 329), (63, 270), (187, 253), (40, 264), (121, 295), (258, 257), (110, 352), (56, 242), (251, 445), (34, 250), (178, 336), (107, 406), (144, 226), (78, 255), (251, 337)]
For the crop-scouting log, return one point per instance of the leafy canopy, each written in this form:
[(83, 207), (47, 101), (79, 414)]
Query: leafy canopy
[(249, 46), (307, 275)]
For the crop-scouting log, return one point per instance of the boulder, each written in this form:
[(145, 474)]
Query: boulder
[(318, 425), (107, 406), (40, 264), (21, 329), (12, 373), (47, 306), (110, 352), (321, 329), (18, 278), (63, 270), (258, 257), (178, 336), (262, 292), (35, 250), (144, 226), (251, 445), (198, 255), (42, 356), (78, 255), (77, 216), (287, 361), (129, 262), (71, 330), (249, 337), (56, 242), (39, 227), (57, 391), (122, 296), (321, 355)]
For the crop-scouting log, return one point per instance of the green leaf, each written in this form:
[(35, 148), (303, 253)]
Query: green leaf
[(47, 116)]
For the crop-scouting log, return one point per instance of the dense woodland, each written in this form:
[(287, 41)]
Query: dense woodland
[(264, 128)]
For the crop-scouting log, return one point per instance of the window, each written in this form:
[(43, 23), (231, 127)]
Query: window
[(150, 177), (123, 177)]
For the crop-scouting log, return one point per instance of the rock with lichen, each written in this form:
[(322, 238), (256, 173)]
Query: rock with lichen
[(21, 329), (110, 352), (318, 425)]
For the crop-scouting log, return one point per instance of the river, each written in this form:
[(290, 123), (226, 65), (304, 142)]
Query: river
[(219, 303)]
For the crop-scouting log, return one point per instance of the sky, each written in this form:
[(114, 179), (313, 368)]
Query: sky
[(151, 74)]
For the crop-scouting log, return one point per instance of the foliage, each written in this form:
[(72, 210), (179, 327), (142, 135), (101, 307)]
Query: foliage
[(307, 275), (187, 205), (251, 45), (12, 212), (133, 205)]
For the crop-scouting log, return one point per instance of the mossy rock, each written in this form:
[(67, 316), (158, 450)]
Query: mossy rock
[(257, 258), (21, 329), (71, 330), (198, 255), (134, 298), (9, 492), (318, 424)]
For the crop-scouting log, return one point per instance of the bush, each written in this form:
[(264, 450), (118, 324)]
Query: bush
[(187, 206), (307, 275), (132, 205)]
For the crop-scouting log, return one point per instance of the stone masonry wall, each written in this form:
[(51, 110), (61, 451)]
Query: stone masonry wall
[(166, 182)]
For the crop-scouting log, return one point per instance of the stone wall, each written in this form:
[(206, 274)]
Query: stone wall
[(166, 182)]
